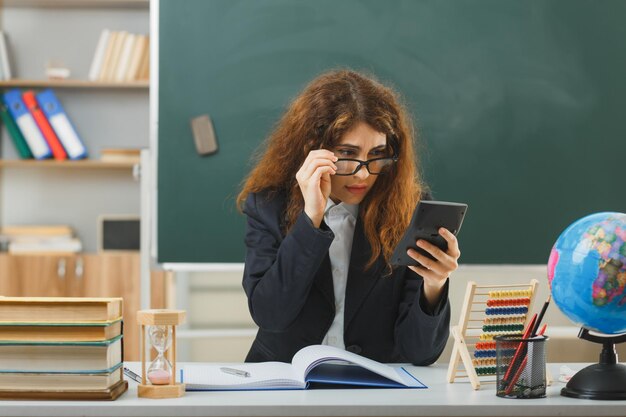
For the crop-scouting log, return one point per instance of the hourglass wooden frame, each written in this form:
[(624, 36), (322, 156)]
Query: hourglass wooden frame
[(170, 318)]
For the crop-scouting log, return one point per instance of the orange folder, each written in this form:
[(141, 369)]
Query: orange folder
[(58, 152)]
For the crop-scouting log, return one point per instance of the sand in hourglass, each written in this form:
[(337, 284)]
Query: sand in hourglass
[(159, 377), (160, 371)]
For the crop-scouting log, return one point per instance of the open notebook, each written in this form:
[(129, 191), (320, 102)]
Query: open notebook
[(317, 364)]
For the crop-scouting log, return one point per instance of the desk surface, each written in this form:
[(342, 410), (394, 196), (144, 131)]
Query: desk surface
[(441, 399)]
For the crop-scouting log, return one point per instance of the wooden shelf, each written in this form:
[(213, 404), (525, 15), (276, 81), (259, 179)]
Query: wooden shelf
[(49, 163), (75, 84)]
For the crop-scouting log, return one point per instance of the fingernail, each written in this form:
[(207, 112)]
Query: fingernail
[(420, 243), (443, 230)]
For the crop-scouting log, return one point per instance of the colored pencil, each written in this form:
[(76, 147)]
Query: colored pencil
[(522, 366), (518, 352), (541, 314)]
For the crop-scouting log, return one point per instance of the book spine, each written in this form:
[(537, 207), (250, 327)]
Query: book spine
[(98, 58), (108, 52), (24, 120), (111, 70), (144, 66), (4, 57), (61, 124), (18, 139), (124, 62), (135, 58), (48, 133)]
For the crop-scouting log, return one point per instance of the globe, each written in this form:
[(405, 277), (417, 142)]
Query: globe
[(587, 272)]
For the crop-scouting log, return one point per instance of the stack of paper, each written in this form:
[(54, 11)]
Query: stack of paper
[(30, 239)]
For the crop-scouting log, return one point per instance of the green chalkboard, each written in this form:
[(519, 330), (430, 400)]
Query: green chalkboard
[(520, 107)]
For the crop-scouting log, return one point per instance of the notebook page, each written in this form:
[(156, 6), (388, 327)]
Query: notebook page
[(310, 356), (265, 375)]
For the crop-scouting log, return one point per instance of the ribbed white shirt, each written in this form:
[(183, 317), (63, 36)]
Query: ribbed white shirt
[(341, 219)]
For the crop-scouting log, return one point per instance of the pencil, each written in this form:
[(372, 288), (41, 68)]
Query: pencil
[(522, 366), (541, 314), (543, 329), (518, 353), (516, 376)]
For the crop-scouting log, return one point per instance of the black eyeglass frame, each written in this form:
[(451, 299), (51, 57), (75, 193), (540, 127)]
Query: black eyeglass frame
[(367, 163)]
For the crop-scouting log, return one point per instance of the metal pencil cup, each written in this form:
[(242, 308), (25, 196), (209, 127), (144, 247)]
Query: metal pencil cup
[(521, 367)]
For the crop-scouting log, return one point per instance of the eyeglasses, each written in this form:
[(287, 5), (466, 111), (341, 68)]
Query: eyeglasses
[(376, 166)]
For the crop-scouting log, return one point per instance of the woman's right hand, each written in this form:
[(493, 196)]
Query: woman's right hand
[(314, 180)]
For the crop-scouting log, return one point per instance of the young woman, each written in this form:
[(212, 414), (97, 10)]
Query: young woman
[(327, 202)]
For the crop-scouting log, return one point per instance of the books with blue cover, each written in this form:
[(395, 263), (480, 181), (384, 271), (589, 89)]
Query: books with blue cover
[(51, 106), (26, 123), (311, 366)]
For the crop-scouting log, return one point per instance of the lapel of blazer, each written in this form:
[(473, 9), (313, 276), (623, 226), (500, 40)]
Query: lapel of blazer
[(360, 281)]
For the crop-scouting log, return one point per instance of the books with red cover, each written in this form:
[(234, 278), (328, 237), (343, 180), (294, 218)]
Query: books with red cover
[(58, 152)]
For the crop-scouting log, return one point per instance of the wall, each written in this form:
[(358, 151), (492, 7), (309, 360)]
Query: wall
[(217, 302)]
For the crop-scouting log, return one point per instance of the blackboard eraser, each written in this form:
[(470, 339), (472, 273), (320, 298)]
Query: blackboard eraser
[(204, 135)]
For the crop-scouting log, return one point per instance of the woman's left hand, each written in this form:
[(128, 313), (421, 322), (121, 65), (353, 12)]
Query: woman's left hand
[(436, 271)]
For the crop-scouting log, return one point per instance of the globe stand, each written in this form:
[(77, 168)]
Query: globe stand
[(605, 380)]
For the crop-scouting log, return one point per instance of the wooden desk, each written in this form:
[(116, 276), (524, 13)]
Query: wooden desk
[(441, 399)]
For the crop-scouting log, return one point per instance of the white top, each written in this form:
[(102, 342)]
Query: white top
[(341, 219)]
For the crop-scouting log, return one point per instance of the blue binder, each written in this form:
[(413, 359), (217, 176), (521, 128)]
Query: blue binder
[(61, 124)]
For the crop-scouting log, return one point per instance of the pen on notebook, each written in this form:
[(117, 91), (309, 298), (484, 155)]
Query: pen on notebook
[(233, 371), (132, 375)]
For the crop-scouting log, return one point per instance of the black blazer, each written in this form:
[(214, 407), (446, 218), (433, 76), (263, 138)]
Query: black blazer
[(289, 284)]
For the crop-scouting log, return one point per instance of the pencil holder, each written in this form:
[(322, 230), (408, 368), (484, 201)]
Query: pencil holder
[(521, 367)]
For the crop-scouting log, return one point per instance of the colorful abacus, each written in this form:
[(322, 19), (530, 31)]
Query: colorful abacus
[(488, 311)]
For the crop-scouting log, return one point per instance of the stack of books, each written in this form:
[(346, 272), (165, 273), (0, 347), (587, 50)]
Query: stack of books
[(39, 126), (61, 348), (53, 239), (121, 57)]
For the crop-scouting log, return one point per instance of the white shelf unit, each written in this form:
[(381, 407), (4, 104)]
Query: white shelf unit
[(106, 115)]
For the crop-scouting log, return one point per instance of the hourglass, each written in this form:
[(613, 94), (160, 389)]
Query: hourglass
[(159, 381)]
